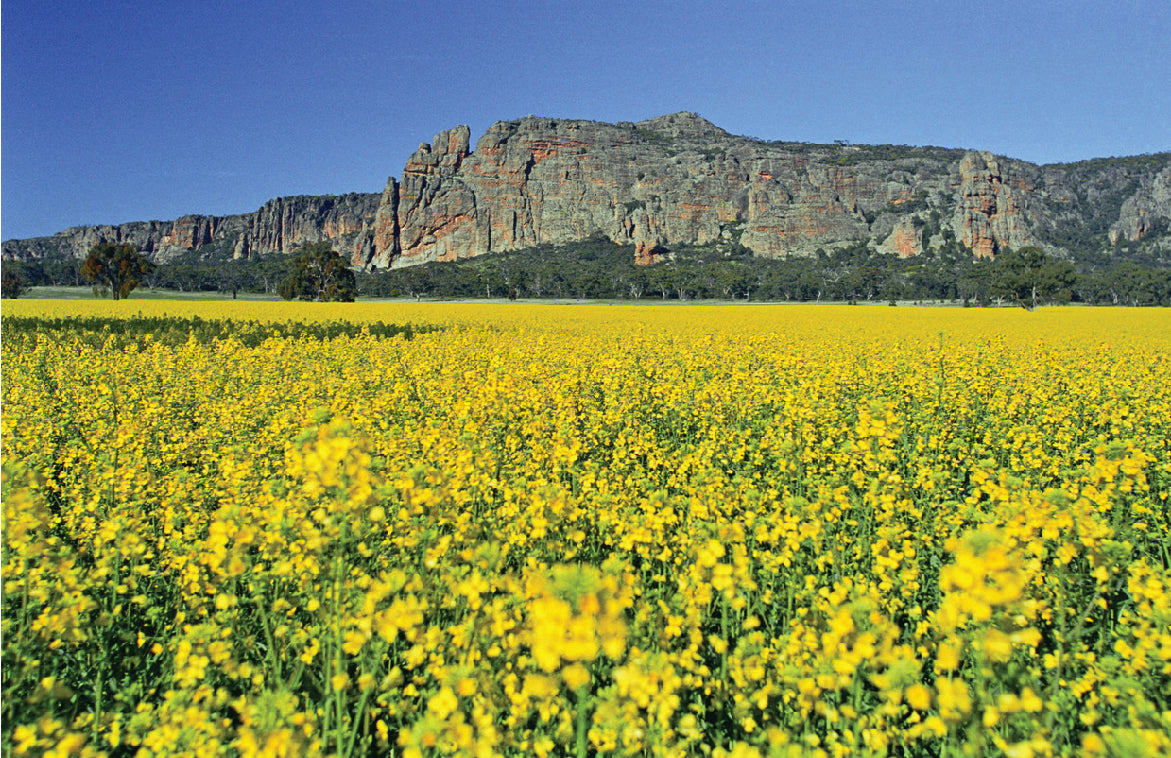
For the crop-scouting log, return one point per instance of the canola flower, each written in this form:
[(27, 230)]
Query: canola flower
[(549, 530)]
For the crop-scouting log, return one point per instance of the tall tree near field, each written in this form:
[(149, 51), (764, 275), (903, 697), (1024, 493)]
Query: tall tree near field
[(116, 268), (1029, 276), (13, 285), (319, 273)]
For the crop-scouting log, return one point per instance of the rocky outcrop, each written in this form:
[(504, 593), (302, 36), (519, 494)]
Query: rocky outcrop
[(287, 223), (190, 232), (1145, 212), (646, 253), (279, 226), (384, 242), (435, 207), (679, 179), (905, 240), (992, 208), (675, 180), (671, 180)]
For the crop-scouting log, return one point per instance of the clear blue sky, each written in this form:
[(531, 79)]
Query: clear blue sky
[(150, 109)]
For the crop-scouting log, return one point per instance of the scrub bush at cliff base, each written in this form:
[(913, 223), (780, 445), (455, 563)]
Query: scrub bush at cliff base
[(318, 273)]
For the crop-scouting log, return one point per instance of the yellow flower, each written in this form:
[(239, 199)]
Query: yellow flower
[(443, 703), (354, 641), (948, 657), (551, 618), (575, 676), (918, 697), (955, 700), (997, 645), (1030, 703)]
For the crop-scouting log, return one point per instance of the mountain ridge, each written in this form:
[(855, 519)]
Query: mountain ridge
[(678, 179)]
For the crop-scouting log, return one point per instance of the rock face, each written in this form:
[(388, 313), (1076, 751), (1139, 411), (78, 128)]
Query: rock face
[(436, 209), (286, 223), (1145, 212), (992, 205), (671, 180), (904, 241), (279, 226), (679, 179)]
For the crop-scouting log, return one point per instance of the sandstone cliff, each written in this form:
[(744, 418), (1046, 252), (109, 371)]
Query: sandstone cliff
[(1146, 212), (279, 226), (677, 179)]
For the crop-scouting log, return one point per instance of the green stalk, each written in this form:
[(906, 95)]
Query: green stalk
[(724, 653), (789, 592), (357, 718), (24, 602), (582, 731), (273, 659), (339, 695), (99, 686), (114, 417)]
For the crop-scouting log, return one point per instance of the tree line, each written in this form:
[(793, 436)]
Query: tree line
[(314, 272), (598, 268)]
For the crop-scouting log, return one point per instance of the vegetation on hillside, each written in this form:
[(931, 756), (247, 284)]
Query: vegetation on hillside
[(600, 269), (1086, 198), (597, 268)]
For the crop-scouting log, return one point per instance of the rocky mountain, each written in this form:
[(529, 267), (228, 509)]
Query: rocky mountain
[(680, 180), (279, 226)]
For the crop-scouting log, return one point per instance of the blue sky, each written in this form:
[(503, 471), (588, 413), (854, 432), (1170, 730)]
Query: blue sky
[(137, 110)]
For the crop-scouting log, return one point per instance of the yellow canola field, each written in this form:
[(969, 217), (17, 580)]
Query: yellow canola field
[(589, 530)]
